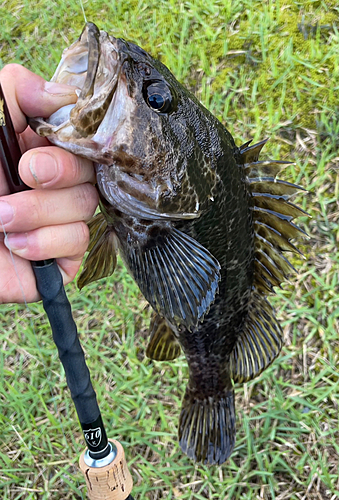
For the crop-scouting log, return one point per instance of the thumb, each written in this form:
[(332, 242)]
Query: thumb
[(28, 94)]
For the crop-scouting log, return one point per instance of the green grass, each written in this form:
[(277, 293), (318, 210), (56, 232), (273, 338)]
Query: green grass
[(265, 69)]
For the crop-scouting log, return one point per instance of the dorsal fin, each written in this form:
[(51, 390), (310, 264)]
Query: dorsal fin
[(273, 214), (260, 340), (249, 154)]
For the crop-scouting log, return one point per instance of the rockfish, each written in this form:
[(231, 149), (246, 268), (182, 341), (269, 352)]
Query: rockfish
[(200, 223)]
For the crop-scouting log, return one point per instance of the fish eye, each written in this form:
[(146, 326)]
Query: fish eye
[(158, 97)]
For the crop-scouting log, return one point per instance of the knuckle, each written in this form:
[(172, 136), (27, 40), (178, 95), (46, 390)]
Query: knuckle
[(87, 200), (75, 167), (10, 70), (40, 209), (29, 211), (80, 238), (36, 248), (69, 166), (73, 170), (68, 268)]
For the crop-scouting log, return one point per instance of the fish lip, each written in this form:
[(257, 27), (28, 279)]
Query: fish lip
[(93, 63), (89, 35), (92, 33)]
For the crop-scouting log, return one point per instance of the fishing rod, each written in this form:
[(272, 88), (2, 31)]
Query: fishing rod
[(103, 462)]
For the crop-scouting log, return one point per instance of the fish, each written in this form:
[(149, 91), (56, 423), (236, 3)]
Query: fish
[(201, 224)]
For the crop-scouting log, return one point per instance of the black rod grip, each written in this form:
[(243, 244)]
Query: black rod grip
[(58, 309)]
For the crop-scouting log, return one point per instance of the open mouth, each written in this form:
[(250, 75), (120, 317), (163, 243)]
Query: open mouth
[(100, 82), (91, 67)]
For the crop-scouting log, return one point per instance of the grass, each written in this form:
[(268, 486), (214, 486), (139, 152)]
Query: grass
[(264, 69)]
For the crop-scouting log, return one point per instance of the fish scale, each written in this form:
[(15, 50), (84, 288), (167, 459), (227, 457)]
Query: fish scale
[(201, 224)]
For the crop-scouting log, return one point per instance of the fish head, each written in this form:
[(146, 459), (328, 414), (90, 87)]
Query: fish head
[(150, 136)]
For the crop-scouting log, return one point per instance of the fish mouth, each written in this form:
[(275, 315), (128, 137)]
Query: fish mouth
[(93, 64), (100, 82), (79, 62)]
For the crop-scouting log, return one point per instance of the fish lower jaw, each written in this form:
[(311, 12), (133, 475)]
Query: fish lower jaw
[(62, 135)]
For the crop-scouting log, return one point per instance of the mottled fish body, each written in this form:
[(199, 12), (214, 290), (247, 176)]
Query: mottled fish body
[(200, 223)]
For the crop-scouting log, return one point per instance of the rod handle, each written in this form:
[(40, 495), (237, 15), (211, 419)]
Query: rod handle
[(111, 482)]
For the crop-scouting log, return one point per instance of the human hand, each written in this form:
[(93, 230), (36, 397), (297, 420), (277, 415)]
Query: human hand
[(48, 221)]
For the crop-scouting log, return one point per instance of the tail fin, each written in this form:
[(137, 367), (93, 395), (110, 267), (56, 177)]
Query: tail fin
[(207, 427)]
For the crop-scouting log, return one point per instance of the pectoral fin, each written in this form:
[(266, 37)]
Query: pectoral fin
[(177, 275), (102, 257), (163, 346)]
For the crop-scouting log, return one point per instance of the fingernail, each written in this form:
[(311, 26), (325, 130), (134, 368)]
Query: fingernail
[(6, 212), (16, 241), (43, 167), (60, 89)]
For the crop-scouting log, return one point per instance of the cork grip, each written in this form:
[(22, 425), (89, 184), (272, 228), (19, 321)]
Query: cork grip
[(112, 482)]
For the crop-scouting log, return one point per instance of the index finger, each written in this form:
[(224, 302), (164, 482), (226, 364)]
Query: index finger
[(28, 94)]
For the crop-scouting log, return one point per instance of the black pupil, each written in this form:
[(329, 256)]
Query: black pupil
[(158, 96), (156, 101)]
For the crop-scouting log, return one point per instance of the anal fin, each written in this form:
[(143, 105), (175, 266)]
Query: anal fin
[(163, 346), (259, 343)]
